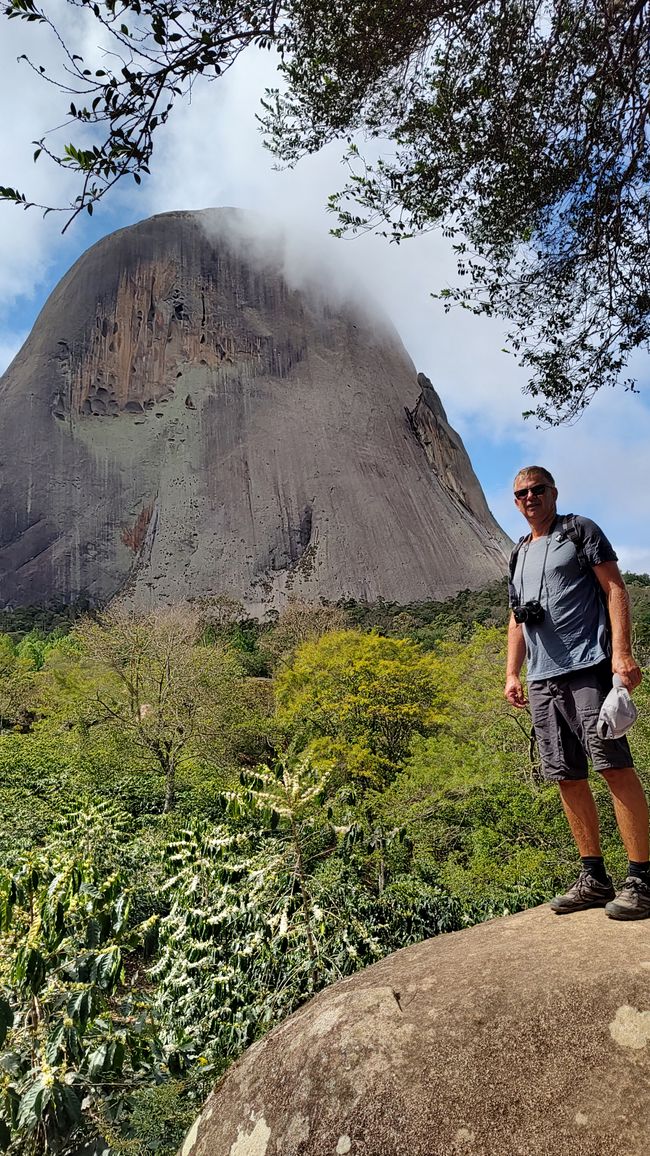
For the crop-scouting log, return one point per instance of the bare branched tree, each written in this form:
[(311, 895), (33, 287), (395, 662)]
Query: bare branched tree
[(168, 692)]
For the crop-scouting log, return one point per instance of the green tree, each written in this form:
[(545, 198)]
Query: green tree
[(519, 129), (359, 699), (476, 712)]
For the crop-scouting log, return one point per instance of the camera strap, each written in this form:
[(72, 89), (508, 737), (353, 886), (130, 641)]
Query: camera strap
[(523, 563)]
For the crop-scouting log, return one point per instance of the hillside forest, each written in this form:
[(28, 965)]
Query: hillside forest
[(205, 819)]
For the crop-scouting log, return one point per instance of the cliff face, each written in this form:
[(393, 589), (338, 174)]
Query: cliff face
[(181, 423)]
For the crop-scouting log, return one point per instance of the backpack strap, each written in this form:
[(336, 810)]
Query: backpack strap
[(570, 528), (512, 564)]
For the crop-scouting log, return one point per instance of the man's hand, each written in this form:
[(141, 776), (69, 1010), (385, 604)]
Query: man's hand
[(627, 669), (514, 692)]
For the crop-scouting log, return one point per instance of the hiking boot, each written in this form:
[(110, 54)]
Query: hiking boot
[(587, 892), (632, 901)]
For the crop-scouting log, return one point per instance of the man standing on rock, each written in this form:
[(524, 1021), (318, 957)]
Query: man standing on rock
[(571, 624)]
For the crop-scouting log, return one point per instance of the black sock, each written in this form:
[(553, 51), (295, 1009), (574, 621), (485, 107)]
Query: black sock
[(639, 870), (595, 865)]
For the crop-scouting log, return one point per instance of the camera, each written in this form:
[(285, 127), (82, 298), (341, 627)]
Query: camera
[(532, 612)]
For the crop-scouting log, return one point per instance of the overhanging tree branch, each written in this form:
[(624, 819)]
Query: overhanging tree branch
[(519, 129)]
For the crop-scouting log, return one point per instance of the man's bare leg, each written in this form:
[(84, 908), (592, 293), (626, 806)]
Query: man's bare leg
[(593, 887), (631, 810), (580, 810)]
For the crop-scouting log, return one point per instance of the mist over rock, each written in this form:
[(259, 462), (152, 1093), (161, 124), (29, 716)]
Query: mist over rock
[(184, 421), (523, 1036)]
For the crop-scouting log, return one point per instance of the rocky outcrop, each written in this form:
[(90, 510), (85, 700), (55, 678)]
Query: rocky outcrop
[(522, 1036), (182, 423), (445, 451)]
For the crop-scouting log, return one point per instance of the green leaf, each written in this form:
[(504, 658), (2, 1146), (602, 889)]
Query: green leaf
[(71, 1103), (117, 1054), (107, 968), (97, 1060), (79, 1006), (30, 969), (32, 1104)]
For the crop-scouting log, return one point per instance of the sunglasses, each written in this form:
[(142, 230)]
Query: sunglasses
[(540, 488)]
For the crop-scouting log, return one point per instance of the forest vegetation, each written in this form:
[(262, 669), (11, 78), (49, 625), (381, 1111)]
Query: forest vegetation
[(204, 819)]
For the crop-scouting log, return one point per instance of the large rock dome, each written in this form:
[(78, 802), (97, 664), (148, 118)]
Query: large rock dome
[(183, 423), (525, 1036)]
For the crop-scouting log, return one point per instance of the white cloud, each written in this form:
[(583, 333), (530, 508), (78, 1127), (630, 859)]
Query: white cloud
[(212, 154)]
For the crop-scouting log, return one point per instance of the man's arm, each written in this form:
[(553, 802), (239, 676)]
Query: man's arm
[(618, 604), (514, 691)]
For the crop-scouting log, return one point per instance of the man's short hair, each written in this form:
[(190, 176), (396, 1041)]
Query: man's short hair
[(527, 470)]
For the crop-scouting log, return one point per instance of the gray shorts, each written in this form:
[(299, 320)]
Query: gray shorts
[(565, 711)]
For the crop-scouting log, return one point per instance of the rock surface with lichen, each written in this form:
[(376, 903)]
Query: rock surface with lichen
[(182, 422), (526, 1035)]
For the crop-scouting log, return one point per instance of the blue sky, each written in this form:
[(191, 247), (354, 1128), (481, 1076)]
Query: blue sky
[(211, 154)]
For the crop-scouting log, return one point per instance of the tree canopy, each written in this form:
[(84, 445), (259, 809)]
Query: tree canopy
[(519, 129)]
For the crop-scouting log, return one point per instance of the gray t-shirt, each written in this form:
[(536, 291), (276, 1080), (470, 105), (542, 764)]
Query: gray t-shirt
[(574, 633)]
